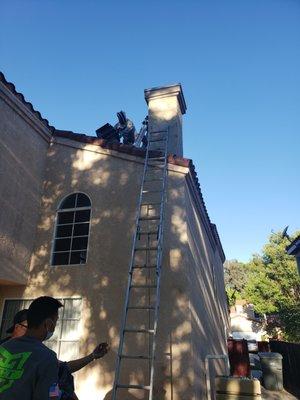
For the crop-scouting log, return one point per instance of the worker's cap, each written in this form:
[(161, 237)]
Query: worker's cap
[(21, 316)]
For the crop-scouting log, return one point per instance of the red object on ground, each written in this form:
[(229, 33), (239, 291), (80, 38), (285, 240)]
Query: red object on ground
[(263, 347), (238, 357)]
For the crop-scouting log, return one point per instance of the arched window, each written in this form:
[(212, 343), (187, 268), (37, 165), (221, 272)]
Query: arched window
[(72, 230)]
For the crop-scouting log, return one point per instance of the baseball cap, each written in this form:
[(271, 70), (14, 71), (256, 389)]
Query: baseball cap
[(18, 318)]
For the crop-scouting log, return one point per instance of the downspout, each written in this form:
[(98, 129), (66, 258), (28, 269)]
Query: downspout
[(207, 374)]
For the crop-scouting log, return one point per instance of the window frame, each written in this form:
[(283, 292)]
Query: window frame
[(62, 299), (54, 238), (59, 339)]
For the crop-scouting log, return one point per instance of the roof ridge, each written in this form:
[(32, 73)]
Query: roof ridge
[(11, 87)]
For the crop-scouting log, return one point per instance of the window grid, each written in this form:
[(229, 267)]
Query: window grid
[(11, 307), (83, 247), (62, 320), (69, 260)]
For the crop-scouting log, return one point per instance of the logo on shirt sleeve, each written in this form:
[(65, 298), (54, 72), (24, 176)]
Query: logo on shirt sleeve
[(11, 367)]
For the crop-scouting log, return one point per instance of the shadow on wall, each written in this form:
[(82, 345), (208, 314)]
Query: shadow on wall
[(113, 186)]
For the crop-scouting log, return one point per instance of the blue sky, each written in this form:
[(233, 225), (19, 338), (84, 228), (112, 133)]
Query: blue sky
[(79, 62)]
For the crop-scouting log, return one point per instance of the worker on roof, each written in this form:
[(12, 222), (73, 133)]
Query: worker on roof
[(125, 128)]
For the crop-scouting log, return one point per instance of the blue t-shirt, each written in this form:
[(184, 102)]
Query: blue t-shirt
[(28, 370)]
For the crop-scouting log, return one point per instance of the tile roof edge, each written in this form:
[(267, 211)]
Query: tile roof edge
[(295, 242), (122, 148), (212, 226), (11, 87), (218, 241)]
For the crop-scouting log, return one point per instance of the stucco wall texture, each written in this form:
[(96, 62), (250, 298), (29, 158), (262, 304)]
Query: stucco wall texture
[(193, 315), (23, 148)]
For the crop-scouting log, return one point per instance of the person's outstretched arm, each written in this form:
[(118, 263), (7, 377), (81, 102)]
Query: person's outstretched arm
[(99, 352)]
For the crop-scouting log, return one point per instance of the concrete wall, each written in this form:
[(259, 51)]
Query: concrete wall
[(23, 145)]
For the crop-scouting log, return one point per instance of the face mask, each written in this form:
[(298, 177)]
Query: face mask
[(49, 333)]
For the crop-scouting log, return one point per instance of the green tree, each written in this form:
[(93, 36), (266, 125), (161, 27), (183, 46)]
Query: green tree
[(290, 317), (236, 274), (273, 284)]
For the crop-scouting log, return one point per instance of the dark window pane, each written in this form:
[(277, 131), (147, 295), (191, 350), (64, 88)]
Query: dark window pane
[(79, 243), (60, 259), (81, 229), (78, 257), (83, 200), (82, 216), (69, 202), (65, 217), (64, 230), (62, 244)]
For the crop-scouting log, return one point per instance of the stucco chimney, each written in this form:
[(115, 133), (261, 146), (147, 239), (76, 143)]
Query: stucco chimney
[(166, 105)]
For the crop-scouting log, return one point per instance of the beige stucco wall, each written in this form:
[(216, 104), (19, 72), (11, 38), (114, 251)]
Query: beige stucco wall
[(206, 294), (192, 313), (23, 146)]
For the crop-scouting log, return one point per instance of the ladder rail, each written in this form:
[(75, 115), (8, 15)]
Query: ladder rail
[(159, 262), (159, 249), (125, 310)]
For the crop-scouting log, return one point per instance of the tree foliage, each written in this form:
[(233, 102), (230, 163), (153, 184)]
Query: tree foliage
[(290, 318), (273, 284), (270, 281), (236, 275)]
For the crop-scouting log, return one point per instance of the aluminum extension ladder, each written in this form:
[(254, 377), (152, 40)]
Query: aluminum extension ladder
[(140, 315)]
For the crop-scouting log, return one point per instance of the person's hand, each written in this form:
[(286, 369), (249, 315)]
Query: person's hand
[(100, 350)]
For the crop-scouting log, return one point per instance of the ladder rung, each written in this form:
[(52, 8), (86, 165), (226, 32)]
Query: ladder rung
[(136, 357), (147, 233), (154, 180), (156, 132), (160, 149), (143, 286), (146, 248), (150, 204), (141, 308), (156, 158), (144, 266), (152, 191), (135, 330), (157, 166), (158, 140), (149, 218), (142, 387)]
